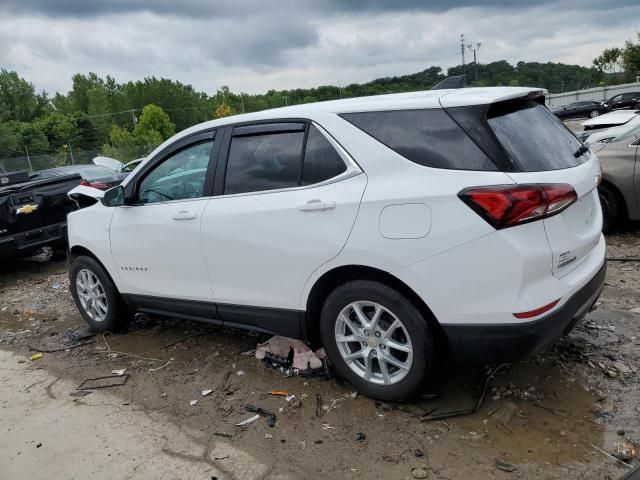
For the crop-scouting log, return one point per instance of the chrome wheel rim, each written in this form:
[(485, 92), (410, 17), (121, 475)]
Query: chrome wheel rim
[(92, 295), (374, 343), (594, 114)]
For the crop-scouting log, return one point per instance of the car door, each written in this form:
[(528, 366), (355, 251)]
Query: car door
[(287, 199), (616, 102), (620, 164), (155, 239)]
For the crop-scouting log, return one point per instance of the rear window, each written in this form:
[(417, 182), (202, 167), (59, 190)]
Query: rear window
[(533, 137), (426, 137)]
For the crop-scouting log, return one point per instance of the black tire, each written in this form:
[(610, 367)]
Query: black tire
[(610, 208), (414, 323), (117, 316)]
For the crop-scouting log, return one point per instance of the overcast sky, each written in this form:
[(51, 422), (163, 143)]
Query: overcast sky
[(257, 45)]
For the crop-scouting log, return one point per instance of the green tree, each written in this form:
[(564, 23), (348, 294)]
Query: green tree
[(223, 110), (631, 59)]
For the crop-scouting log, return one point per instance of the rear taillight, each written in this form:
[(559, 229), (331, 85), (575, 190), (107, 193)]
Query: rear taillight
[(99, 185), (509, 205), (84, 183)]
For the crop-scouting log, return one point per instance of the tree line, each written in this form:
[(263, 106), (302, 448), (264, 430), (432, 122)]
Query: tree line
[(127, 120)]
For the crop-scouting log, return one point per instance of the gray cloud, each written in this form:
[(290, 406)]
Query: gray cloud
[(252, 46)]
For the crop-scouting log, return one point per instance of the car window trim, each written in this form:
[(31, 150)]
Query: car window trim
[(220, 175), (132, 188)]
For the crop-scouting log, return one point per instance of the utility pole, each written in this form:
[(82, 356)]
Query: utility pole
[(462, 49), (286, 100), (28, 159), (71, 153), (242, 100), (474, 49)]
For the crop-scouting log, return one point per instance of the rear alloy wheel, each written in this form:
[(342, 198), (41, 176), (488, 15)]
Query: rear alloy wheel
[(377, 340), (374, 343), (594, 113), (610, 208)]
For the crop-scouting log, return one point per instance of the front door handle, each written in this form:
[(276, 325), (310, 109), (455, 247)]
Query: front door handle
[(184, 215), (317, 205)]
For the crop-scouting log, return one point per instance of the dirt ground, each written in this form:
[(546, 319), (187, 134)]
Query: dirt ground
[(545, 417)]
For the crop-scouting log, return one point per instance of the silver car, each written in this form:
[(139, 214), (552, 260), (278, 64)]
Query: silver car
[(620, 187)]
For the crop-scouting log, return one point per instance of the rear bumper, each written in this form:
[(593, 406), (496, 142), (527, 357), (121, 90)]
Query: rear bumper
[(497, 343), (23, 243)]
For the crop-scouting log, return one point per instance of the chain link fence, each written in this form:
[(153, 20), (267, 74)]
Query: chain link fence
[(35, 163)]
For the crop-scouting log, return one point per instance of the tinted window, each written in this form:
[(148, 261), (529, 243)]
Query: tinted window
[(321, 161), (533, 137), (427, 137), (264, 162), (179, 176)]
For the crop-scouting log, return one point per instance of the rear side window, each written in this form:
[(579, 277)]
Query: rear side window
[(321, 161), (533, 137), (426, 137), (264, 162)]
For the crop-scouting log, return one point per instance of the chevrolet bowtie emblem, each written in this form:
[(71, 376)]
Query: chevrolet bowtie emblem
[(27, 209)]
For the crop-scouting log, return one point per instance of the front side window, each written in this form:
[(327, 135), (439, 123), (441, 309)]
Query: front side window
[(180, 176)]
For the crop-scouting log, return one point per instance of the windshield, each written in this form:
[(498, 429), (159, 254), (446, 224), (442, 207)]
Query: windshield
[(534, 138)]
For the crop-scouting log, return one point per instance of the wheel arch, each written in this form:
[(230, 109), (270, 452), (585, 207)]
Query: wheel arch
[(78, 251), (622, 201), (340, 275)]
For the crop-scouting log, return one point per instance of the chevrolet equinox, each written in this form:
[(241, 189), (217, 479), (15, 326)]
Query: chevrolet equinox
[(392, 230)]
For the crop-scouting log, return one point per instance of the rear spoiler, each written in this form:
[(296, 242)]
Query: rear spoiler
[(456, 81)]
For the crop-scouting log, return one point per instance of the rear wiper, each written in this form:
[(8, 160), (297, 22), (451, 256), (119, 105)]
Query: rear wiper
[(581, 150)]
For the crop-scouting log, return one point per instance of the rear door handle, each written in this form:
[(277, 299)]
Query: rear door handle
[(184, 215), (318, 205)]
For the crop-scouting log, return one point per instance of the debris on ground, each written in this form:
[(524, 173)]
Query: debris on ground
[(103, 382), (247, 421), (626, 451), (118, 373), (505, 467), (36, 356), (300, 355), (79, 393), (193, 403), (204, 393), (360, 437), (420, 472), (277, 393), (271, 418)]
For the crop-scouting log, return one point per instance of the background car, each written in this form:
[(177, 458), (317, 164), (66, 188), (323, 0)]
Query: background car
[(620, 186), (628, 100), (95, 176), (580, 109), (610, 119)]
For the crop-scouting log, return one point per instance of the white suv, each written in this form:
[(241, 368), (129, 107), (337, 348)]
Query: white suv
[(392, 230)]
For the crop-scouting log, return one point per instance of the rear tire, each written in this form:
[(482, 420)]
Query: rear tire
[(594, 114), (96, 296), (388, 354), (610, 208)]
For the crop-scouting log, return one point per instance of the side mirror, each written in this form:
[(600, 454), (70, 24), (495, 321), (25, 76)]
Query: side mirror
[(114, 197)]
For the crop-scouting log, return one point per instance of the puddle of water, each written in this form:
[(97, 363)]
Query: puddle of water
[(553, 423)]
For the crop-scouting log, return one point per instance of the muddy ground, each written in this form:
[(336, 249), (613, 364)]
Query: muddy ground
[(544, 418)]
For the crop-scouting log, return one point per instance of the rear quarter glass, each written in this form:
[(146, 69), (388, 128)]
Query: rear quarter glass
[(428, 137)]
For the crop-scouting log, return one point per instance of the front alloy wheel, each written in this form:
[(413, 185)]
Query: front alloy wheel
[(374, 343), (594, 114), (92, 296)]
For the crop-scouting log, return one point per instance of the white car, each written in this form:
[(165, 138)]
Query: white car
[(611, 119), (394, 230), (610, 134)]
